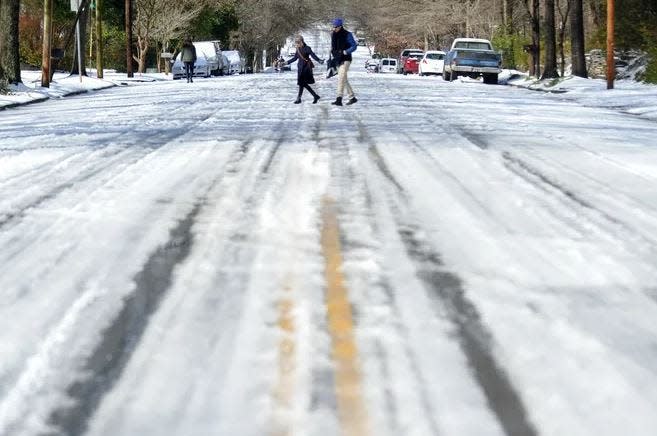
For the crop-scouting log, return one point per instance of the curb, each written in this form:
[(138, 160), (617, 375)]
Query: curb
[(42, 99)]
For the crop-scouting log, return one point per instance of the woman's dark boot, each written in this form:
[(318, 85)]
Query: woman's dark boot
[(315, 98), (338, 101), (298, 100)]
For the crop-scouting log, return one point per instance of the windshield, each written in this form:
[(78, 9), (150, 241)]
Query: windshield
[(409, 52), (473, 45), (435, 56)]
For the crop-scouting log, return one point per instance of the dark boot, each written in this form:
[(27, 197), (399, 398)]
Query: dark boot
[(352, 100), (298, 100), (338, 101), (315, 98)]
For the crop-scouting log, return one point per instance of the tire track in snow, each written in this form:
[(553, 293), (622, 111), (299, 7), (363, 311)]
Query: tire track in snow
[(474, 337), (92, 171), (596, 216), (50, 194), (119, 340)]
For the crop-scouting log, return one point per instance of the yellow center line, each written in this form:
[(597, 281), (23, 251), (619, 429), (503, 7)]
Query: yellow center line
[(351, 408), (284, 390)]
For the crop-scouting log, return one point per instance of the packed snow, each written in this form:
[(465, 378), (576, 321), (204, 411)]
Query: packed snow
[(166, 255)]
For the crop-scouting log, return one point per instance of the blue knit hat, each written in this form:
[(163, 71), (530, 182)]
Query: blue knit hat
[(337, 22)]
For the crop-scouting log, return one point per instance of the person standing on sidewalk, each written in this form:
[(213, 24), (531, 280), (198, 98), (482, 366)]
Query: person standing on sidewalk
[(343, 45), (305, 76), (188, 56)]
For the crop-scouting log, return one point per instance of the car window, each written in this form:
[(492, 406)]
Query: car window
[(473, 45), (386, 62), (436, 56)]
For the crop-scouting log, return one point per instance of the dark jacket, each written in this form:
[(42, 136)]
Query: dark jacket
[(304, 71), (343, 45), (188, 52)]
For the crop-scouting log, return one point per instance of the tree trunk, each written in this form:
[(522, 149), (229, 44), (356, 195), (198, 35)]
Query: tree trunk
[(142, 51), (10, 66), (577, 39), (563, 21), (99, 38), (550, 69), (536, 37), (128, 38)]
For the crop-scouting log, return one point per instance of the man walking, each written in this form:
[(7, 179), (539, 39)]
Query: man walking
[(188, 56), (343, 45)]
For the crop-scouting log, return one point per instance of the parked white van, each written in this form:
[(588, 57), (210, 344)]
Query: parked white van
[(388, 65)]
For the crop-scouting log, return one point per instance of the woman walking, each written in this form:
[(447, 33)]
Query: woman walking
[(305, 67)]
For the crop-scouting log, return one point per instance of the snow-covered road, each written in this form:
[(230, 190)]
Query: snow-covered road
[(439, 259)]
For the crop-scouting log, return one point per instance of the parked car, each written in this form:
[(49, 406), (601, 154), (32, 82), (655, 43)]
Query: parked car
[(236, 61), (432, 62), (388, 65), (403, 55), (411, 64), (472, 57), (373, 63), (212, 52), (201, 67)]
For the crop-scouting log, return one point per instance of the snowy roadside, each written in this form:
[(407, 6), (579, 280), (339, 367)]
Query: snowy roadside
[(628, 96), (63, 85)]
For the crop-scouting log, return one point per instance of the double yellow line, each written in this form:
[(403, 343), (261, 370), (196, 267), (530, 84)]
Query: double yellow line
[(352, 413), (348, 389)]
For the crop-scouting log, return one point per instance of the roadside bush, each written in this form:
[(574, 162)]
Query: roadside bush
[(114, 45), (511, 46)]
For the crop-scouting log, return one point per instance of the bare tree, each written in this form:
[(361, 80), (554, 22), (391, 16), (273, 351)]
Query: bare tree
[(265, 24), (172, 22), (10, 67), (156, 20), (550, 68)]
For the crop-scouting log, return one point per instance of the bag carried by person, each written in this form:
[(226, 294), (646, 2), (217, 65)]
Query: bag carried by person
[(306, 60), (331, 68)]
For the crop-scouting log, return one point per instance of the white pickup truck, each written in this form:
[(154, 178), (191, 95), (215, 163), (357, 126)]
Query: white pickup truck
[(472, 57)]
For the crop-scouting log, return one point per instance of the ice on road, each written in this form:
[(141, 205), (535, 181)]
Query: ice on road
[(438, 259)]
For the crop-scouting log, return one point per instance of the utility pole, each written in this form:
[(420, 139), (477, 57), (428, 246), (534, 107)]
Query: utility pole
[(47, 43), (611, 63), (128, 37), (99, 38)]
